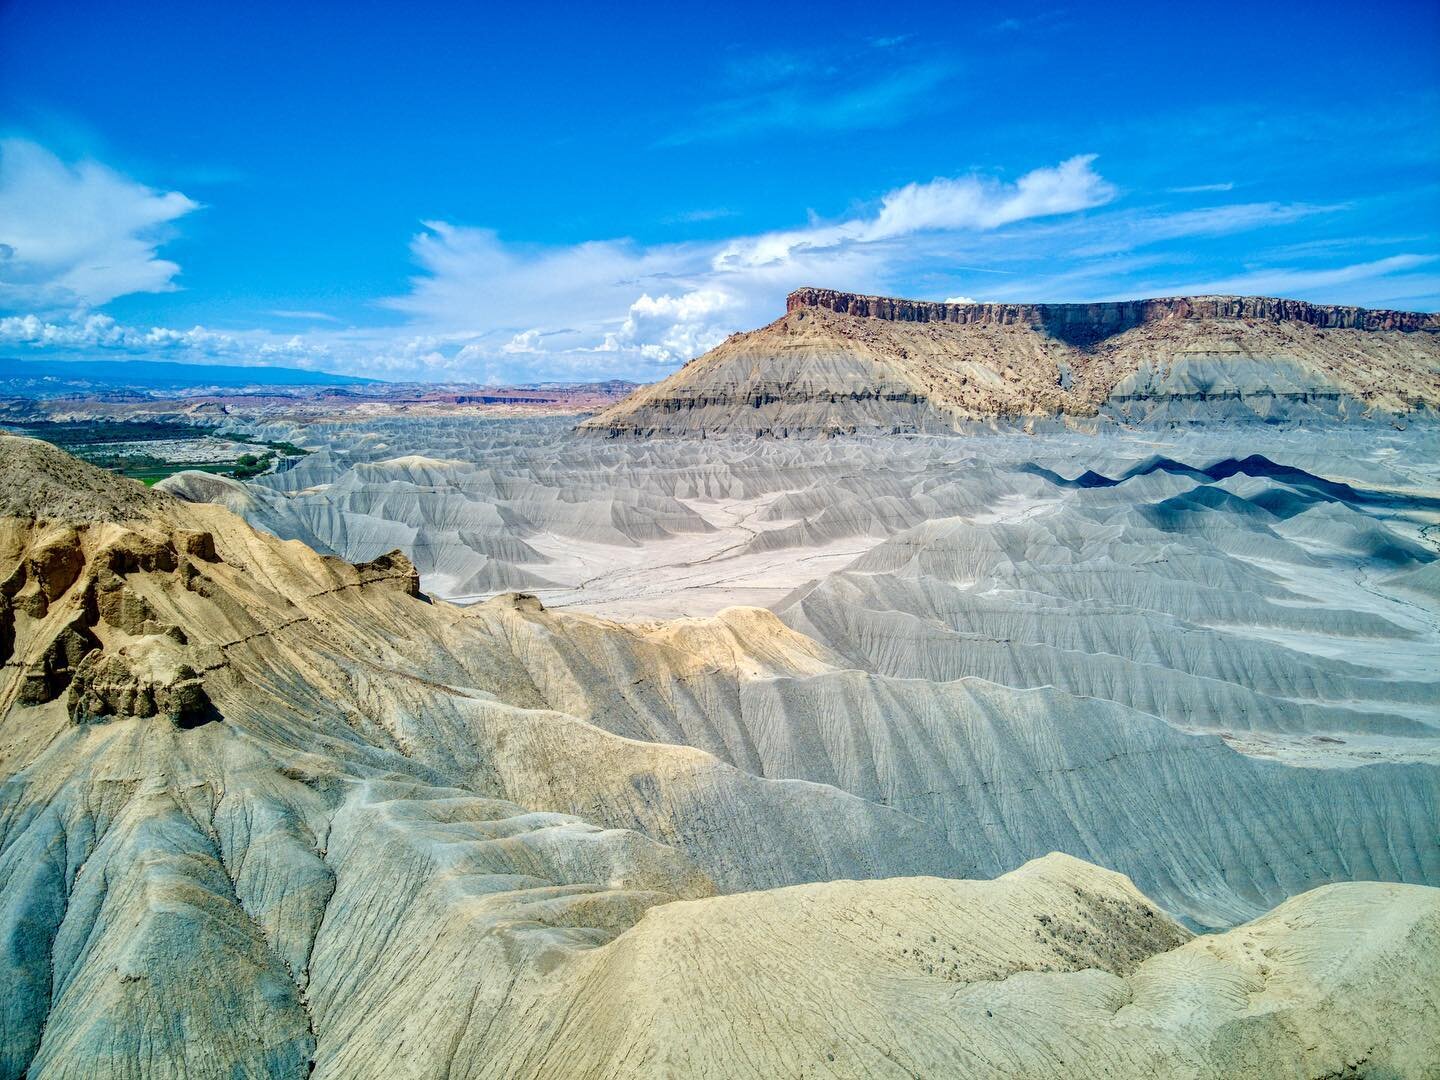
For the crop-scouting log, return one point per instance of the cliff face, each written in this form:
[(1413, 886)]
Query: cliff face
[(1101, 320), (840, 363)]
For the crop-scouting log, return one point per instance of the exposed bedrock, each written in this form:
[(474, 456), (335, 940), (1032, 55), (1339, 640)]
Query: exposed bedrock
[(1090, 322)]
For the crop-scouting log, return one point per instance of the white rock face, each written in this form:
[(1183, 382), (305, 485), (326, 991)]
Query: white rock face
[(271, 804)]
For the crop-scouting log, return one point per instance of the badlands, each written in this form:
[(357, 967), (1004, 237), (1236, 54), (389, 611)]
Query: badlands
[(897, 690)]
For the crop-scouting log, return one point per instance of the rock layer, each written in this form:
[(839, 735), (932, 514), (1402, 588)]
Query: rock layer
[(1091, 322)]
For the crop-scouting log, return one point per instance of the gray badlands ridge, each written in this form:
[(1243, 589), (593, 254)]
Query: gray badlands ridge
[(838, 363), (1042, 755)]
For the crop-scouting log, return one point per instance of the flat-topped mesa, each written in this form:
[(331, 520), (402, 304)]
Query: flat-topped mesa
[(1070, 321), (839, 363)]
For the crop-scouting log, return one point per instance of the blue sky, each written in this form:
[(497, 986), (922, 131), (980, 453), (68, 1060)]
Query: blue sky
[(583, 191)]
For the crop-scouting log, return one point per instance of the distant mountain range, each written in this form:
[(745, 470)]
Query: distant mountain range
[(39, 377)]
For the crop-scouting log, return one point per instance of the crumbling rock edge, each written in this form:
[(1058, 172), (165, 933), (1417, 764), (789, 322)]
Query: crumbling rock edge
[(1117, 316)]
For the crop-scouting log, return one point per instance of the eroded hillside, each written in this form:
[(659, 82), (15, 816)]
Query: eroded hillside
[(433, 840)]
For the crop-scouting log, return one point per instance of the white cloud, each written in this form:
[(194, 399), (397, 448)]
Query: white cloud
[(973, 203), (965, 203), (473, 281), (1196, 189), (78, 235), (88, 332), (670, 329), (960, 300), (525, 344)]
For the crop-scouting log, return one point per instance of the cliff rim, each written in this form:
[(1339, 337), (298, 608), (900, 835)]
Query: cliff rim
[(1078, 323)]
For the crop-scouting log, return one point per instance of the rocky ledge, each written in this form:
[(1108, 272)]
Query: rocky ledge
[(1077, 323)]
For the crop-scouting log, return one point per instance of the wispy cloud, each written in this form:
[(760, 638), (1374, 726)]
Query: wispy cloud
[(1389, 277), (1040, 21), (818, 92), (307, 316), (690, 217), (1124, 232), (1196, 189), (79, 234)]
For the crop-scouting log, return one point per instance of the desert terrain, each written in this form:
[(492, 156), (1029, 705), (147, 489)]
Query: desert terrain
[(1102, 740)]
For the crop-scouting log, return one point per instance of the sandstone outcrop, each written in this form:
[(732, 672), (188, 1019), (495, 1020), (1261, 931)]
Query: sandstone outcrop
[(140, 684)]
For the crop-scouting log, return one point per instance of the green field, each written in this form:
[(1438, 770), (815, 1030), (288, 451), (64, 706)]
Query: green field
[(150, 475)]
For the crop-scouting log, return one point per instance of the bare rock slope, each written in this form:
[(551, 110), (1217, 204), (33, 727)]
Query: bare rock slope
[(264, 812), (841, 363)]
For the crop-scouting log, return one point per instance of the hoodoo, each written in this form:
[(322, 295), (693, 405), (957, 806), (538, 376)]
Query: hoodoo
[(841, 363)]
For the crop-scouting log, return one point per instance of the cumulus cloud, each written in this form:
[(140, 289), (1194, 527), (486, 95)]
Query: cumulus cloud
[(82, 332), (526, 344), (666, 329), (78, 235)]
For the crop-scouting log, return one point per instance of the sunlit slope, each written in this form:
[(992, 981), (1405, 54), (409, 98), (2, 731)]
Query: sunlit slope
[(1055, 970)]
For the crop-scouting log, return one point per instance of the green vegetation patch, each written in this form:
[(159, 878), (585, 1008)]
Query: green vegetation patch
[(91, 440), (70, 434)]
